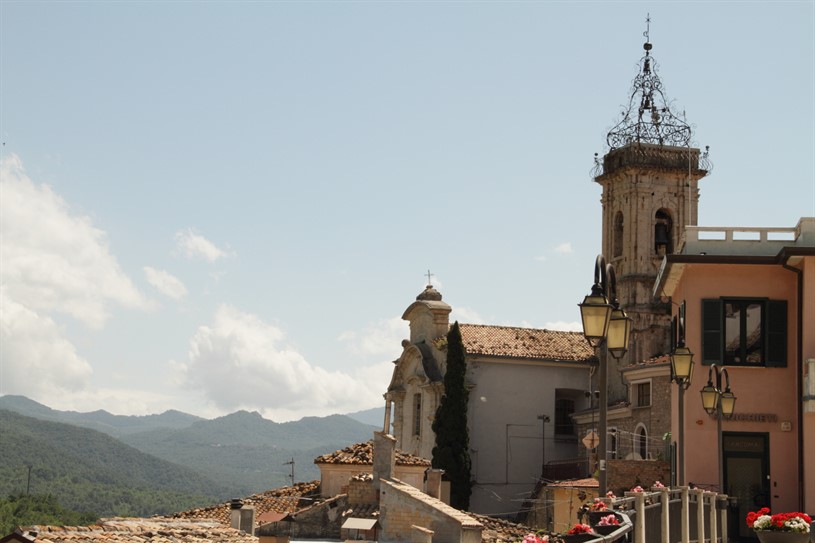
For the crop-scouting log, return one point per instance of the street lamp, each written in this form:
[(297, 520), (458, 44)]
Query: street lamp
[(544, 419), (681, 374), (723, 403), (607, 329)]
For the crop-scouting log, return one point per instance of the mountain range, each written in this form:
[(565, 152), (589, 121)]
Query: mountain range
[(182, 459)]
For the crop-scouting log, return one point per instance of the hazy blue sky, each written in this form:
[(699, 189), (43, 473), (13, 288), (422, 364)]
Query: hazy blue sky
[(213, 206)]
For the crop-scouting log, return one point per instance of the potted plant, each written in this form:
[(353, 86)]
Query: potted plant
[(597, 510), (578, 533), (607, 524), (780, 527), (536, 538)]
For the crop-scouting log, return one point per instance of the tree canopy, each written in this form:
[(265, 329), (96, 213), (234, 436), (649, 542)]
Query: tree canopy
[(452, 450)]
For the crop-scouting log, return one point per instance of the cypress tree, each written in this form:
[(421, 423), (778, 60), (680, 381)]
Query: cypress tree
[(452, 450)]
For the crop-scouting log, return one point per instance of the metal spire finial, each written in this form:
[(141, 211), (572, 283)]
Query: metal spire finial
[(648, 118), (429, 275)]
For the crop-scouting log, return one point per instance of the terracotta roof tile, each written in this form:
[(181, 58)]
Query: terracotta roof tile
[(280, 500), (138, 530), (513, 342), (590, 482), (655, 361), (501, 531), (362, 454)]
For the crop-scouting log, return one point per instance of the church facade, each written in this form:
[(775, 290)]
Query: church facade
[(524, 386)]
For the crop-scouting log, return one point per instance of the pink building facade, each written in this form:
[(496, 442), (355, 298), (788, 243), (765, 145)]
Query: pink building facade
[(749, 307)]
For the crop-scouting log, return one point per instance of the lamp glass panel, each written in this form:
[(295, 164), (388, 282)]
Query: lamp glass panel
[(619, 330), (682, 363), (709, 398), (728, 403), (596, 313)]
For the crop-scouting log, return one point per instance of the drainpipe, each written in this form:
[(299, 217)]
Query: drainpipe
[(800, 368)]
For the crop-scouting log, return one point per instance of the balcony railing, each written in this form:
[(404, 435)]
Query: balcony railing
[(681, 515)]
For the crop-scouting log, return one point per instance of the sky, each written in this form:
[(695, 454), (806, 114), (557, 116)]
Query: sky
[(214, 206)]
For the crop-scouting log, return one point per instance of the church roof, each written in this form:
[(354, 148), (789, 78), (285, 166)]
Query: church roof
[(280, 500), (514, 342), (363, 454)]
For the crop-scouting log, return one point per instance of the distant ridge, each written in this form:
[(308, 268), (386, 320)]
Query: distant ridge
[(100, 420), (242, 451)]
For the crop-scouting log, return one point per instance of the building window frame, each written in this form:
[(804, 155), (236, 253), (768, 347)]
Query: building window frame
[(728, 331), (641, 393)]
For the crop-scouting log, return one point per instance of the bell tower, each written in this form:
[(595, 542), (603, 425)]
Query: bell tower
[(650, 178)]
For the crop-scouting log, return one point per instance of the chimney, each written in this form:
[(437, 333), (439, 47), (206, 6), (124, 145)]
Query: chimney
[(433, 482), (384, 457), (242, 517)]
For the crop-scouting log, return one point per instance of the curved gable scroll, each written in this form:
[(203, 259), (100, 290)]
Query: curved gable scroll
[(416, 365)]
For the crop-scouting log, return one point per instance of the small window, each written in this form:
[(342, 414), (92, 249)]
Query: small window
[(642, 392), (417, 414), (564, 408), (617, 247)]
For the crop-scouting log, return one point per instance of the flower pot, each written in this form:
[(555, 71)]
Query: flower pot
[(595, 516), (605, 530), (771, 536), (578, 538)]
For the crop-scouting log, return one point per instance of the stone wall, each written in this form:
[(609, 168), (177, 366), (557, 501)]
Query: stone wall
[(402, 507), (362, 491), (322, 521), (624, 475)]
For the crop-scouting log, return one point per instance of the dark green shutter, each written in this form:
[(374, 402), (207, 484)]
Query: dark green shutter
[(711, 332), (673, 334), (776, 339)]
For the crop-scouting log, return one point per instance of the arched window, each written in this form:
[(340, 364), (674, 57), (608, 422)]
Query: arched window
[(641, 441), (617, 240), (417, 414), (663, 235)]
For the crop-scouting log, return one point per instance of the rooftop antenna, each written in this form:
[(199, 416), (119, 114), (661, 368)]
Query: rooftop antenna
[(290, 463)]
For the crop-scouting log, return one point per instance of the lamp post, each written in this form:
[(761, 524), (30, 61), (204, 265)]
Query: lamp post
[(607, 329), (681, 374), (544, 419), (723, 403)]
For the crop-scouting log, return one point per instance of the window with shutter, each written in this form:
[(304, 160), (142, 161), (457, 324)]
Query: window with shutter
[(744, 332)]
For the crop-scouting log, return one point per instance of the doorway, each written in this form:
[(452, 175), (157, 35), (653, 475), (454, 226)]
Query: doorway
[(746, 458)]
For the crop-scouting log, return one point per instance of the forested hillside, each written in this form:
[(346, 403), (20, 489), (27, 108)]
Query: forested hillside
[(250, 453), (88, 471)]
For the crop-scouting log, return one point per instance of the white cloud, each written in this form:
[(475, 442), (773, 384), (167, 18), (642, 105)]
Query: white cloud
[(164, 282), (564, 248), (35, 359), (575, 326), (195, 245), (466, 315), (54, 260), (383, 339), (241, 362)]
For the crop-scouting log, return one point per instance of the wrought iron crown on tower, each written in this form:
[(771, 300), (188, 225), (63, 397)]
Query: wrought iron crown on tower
[(648, 118)]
